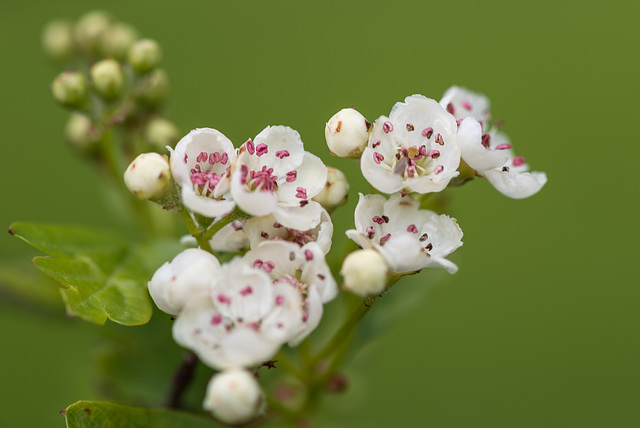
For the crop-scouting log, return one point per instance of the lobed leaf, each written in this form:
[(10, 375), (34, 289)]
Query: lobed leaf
[(96, 414)]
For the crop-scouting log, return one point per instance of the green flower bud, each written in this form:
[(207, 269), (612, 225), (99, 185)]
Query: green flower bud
[(149, 176), (70, 89), (81, 133), (107, 78), (153, 88), (145, 55), (89, 30), (57, 40), (118, 39), (161, 133)]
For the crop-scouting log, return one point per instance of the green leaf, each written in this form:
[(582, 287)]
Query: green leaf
[(96, 414), (104, 277)]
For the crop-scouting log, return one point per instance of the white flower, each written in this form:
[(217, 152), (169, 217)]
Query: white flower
[(274, 175), (200, 165), (486, 149), (244, 320), (415, 149), (233, 396), (364, 272), (261, 229), (303, 269), (186, 278), (347, 133), (408, 238)]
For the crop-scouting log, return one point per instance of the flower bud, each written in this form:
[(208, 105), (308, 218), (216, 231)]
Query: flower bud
[(347, 133), (149, 176), (161, 133), (154, 87), (57, 40), (335, 191), (118, 39), (89, 30), (145, 55), (80, 132), (107, 78), (233, 396), (364, 272), (70, 89)]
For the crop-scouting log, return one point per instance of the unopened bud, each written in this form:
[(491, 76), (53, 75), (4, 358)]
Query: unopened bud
[(118, 39), (57, 40), (364, 272), (145, 55), (347, 133), (233, 396), (335, 191), (153, 88), (107, 78), (89, 30), (149, 176), (161, 133), (80, 132), (70, 89)]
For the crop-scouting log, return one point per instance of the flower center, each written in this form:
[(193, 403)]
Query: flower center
[(203, 178), (262, 180)]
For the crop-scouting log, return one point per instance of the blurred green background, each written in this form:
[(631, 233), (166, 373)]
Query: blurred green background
[(540, 326)]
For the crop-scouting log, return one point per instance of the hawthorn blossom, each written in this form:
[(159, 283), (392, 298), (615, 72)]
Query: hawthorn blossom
[(486, 149), (407, 237), (185, 278), (243, 321), (415, 149), (200, 164), (261, 229), (302, 268), (275, 175)]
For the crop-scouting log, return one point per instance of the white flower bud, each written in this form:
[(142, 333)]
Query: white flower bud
[(70, 89), (145, 55), (161, 133), (335, 191), (57, 40), (149, 176), (107, 78), (364, 272), (117, 41), (80, 132), (347, 133), (89, 30), (233, 396)]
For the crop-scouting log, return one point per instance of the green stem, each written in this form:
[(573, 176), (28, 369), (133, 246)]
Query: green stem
[(195, 230), (234, 215)]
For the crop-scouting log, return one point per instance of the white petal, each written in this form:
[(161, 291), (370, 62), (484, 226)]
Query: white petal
[(311, 176), (299, 217), (379, 175), (516, 185), (358, 238), (279, 139), (230, 238), (314, 313), (256, 203), (466, 103), (317, 274), (403, 253), (368, 207), (207, 207), (473, 152), (403, 212)]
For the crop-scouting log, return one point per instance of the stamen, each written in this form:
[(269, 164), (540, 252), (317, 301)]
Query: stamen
[(246, 290), (466, 105), (439, 140), (377, 219), (385, 238), (387, 127), (250, 147), (486, 141), (370, 232), (427, 132), (377, 157), (518, 161), (429, 247), (216, 320), (292, 256), (268, 266), (503, 147), (435, 154), (424, 237), (261, 149), (291, 176), (264, 234), (412, 228), (410, 127), (308, 255), (385, 219), (279, 300), (505, 169), (224, 299), (375, 143), (438, 169), (450, 108), (302, 193), (282, 154)]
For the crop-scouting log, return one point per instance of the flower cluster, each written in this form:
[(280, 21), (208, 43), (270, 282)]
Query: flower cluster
[(269, 203)]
